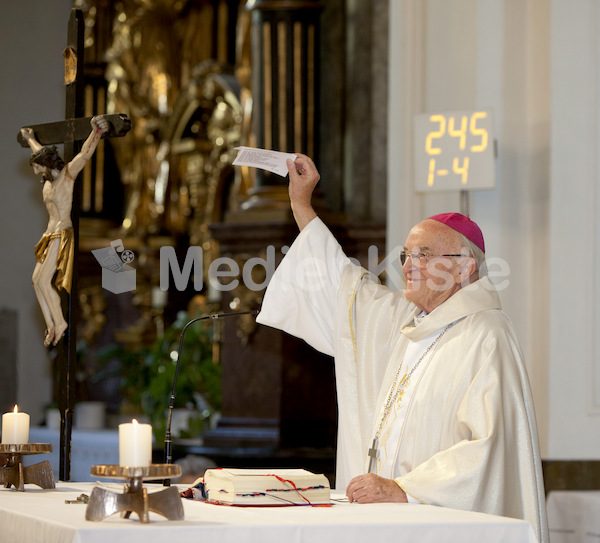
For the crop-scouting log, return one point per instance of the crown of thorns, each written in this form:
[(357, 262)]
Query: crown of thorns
[(48, 157)]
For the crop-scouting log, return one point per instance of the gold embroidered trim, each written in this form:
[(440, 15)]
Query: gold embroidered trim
[(352, 298)]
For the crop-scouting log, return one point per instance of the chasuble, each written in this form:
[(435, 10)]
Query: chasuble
[(468, 438)]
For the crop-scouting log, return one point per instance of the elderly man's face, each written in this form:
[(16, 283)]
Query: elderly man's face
[(432, 281)]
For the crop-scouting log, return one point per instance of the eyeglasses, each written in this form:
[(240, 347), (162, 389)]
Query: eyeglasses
[(418, 259)]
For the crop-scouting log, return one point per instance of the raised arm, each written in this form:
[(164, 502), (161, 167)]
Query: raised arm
[(29, 136), (100, 125), (304, 177)]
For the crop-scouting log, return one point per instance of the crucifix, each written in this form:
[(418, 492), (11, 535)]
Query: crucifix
[(56, 254)]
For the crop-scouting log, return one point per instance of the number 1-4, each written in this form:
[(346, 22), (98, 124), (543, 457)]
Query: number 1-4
[(458, 169)]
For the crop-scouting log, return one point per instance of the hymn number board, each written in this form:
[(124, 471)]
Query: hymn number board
[(454, 151)]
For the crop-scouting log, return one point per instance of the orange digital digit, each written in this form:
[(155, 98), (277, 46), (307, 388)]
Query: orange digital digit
[(481, 132), (460, 133), (463, 170), (431, 174), (436, 134)]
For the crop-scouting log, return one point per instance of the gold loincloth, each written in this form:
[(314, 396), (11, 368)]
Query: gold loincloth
[(64, 265)]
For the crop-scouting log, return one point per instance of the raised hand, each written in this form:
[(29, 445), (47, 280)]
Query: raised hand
[(304, 177), (101, 122)]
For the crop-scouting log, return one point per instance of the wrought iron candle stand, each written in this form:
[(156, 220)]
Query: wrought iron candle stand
[(135, 498), (14, 473)]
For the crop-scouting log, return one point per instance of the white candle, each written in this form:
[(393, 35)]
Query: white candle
[(15, 428), (135, 444)]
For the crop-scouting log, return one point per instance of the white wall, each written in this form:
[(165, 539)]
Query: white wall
[(32, 40), (575, 230), (468, 54)]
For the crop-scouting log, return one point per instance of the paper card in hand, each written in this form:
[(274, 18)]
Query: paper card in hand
[(272, 161)]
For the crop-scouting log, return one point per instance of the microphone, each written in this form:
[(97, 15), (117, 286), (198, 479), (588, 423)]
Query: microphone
[(168, 441)]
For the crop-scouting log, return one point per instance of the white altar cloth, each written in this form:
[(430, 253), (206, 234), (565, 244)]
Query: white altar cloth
[(38, 515)]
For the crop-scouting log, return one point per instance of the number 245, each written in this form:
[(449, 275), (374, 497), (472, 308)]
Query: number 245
[(459, 132)]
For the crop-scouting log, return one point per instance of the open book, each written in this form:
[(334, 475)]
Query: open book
[(266, 487)]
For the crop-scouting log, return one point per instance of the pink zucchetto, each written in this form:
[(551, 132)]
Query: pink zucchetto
[(462, 224)]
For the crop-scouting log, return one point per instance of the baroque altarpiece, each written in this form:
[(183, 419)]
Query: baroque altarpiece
[(197, 79)]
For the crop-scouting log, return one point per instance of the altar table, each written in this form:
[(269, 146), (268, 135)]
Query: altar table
[(37, 515)]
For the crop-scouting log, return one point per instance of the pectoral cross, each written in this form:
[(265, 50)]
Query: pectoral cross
[(373, 455)]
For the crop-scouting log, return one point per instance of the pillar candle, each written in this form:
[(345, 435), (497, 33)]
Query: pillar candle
[(135, 444), (15, 428)]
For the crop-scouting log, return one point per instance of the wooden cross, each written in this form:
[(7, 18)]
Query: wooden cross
[(71, 132)]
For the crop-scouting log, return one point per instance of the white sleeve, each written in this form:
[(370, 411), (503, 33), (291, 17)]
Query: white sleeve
[(300, 298)]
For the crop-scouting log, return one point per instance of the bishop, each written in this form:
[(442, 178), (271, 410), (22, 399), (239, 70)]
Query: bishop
[(432, 375)]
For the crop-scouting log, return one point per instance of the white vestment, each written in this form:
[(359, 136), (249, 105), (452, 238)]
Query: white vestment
[(469, 439), (388, 426)]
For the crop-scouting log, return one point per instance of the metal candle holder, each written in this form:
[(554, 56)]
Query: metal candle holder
[(135, 499), (14, 473)]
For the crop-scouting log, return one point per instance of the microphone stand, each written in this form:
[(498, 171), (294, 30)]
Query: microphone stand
[(168, 441)]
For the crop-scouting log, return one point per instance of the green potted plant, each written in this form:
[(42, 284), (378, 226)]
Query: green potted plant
[(198, 381), (147, 377)]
